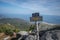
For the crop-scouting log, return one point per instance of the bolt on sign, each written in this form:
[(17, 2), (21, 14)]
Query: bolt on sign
[(36, 17)]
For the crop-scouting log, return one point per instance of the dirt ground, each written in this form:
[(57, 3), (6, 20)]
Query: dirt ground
[(2, 36)]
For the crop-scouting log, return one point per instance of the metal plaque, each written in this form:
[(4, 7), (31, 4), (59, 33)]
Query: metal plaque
[(36, 18)]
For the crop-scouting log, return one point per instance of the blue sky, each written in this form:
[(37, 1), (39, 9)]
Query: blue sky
[(45, 7)]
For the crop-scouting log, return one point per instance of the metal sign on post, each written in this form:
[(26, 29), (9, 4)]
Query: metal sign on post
[(35, 18)]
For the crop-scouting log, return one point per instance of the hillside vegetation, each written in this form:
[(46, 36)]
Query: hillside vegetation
[(18, 23), (8, 29)]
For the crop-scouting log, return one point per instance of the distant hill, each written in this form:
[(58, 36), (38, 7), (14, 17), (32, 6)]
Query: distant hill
[(2, 16), (19, 23)]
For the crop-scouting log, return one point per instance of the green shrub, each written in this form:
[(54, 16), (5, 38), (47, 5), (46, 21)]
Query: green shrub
[(32, 27), (8, 29)]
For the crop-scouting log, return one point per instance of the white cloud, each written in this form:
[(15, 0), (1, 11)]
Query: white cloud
[(43, 6)]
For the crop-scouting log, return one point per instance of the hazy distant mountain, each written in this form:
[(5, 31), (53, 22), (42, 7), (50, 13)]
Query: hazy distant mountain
[(55, 19), (2, 16)]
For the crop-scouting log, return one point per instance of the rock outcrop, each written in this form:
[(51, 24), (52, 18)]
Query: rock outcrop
[(51, 35)]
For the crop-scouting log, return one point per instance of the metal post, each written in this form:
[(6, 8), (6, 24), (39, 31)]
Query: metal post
[(37, 30), (35, 18)]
